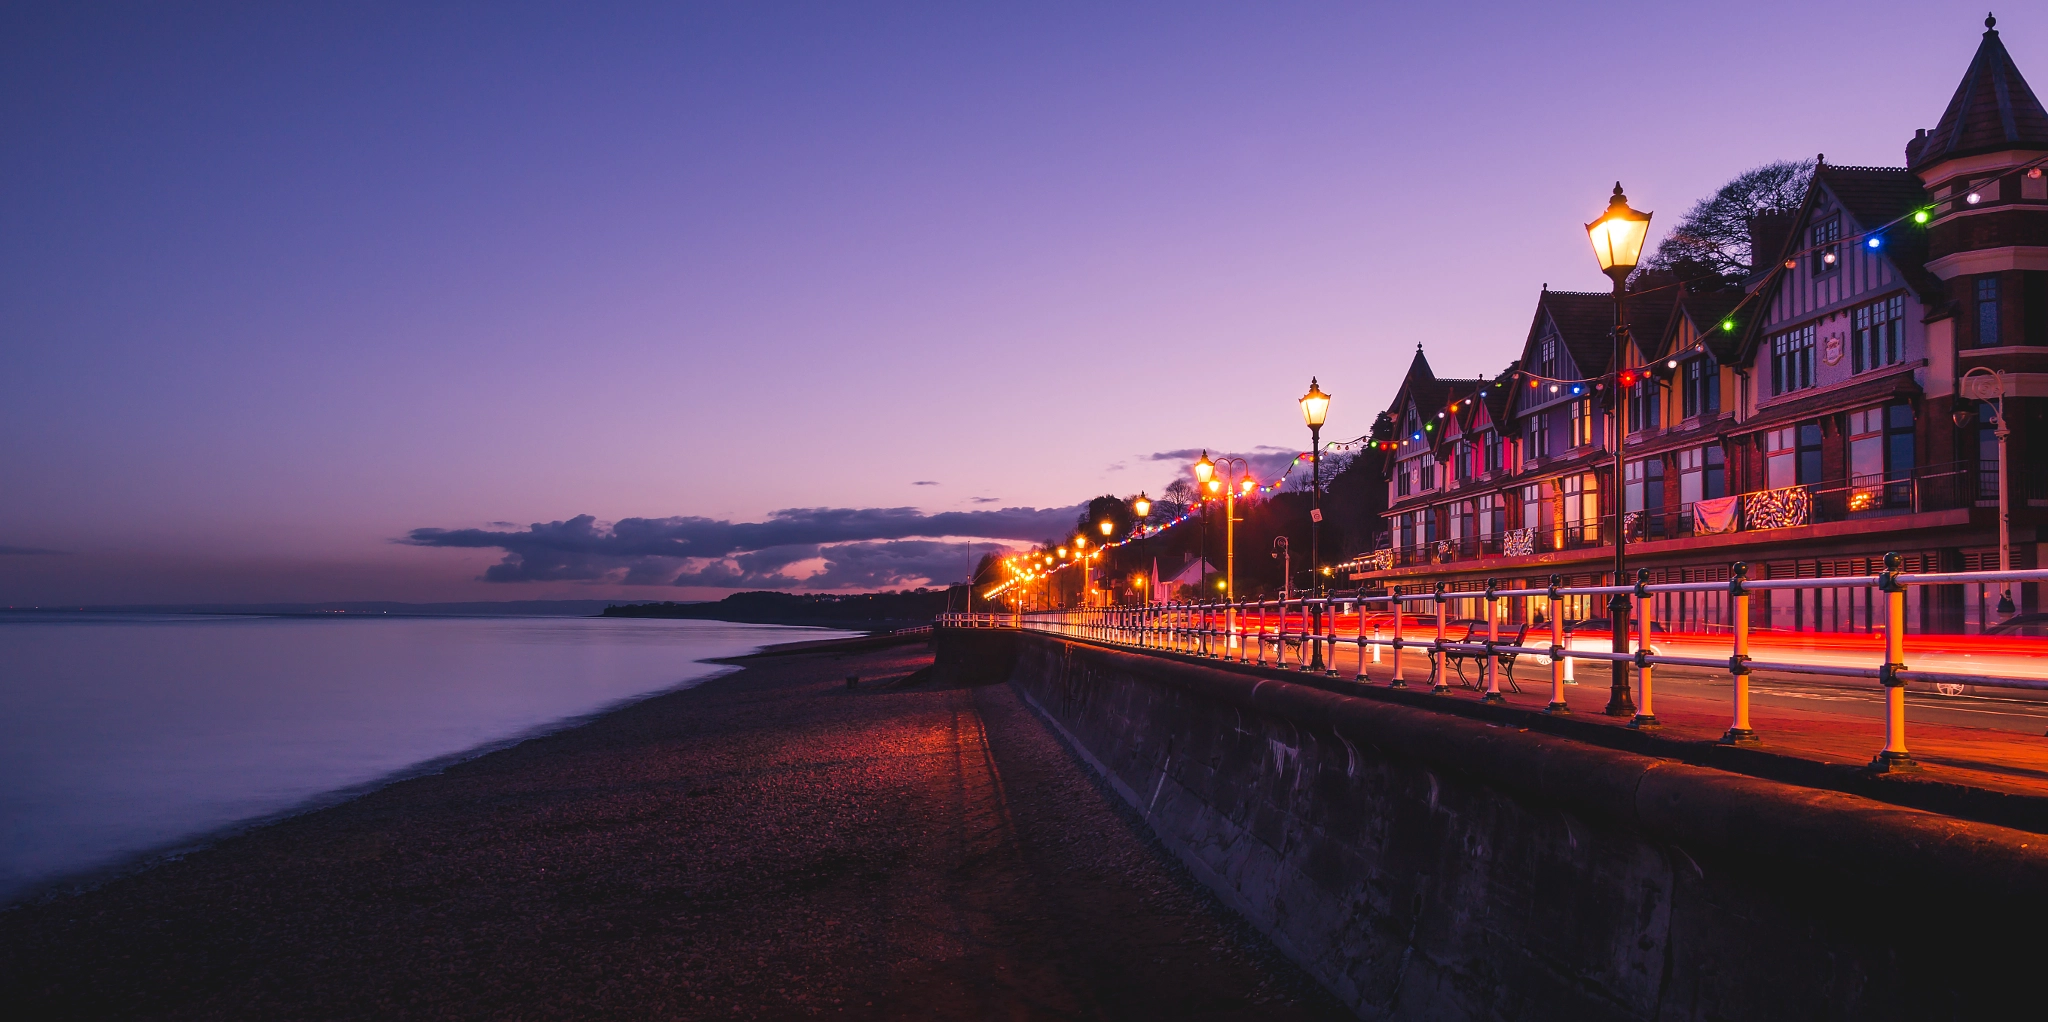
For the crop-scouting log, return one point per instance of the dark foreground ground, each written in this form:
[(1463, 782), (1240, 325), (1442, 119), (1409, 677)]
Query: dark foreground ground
[(768, 845)]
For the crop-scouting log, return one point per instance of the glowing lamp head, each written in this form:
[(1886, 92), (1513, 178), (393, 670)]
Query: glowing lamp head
[(1142, 507), (1081, 541), (1618, 235), (1107, 526), (1314, 405), (1063, 553), (1215, 486), (1247, 485), (1204, 468)]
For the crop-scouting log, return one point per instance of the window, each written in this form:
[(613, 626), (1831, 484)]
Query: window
[(1881, 457), (1546, 363), (1702, 387), (1428, 516), (1538, 444), (1404, 479), (1493, 515), (1644, 489), (1428, 463), (1987, 312), (1404, 525), (1792, 361), (1582, 507), (1642, 405), (1880, 337), (1827, 252), (1702, 475), (1987, 451), (1461, 519), (1582, 422), (1792, 456), (1490, 445)]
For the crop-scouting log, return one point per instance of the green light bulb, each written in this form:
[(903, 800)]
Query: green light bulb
[(1919, 216), (1728, 325)]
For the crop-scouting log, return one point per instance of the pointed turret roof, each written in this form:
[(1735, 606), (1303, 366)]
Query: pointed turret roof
[(1993, 110)]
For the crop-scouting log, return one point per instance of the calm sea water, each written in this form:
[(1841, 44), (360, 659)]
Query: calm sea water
[(121, 736)]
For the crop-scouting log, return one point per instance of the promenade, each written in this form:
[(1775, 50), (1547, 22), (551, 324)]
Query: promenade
[(768, 845)]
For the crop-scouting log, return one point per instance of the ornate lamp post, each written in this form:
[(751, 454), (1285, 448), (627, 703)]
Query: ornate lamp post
[(1315, 405), (1988, 385), (1618, 243)]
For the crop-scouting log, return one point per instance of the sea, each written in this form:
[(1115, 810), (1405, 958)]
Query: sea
[(127, 739)]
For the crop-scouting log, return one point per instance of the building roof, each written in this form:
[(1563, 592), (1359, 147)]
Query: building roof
[(1877, 196), (1992, 110)]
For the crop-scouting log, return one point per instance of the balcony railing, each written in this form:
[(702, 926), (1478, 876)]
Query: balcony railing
[(1927, 488)]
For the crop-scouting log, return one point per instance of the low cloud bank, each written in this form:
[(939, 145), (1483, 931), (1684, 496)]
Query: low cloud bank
[(810, 548)]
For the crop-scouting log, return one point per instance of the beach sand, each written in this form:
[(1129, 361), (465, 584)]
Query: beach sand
[(767, 845)]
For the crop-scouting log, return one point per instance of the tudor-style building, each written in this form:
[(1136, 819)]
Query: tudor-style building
[(1807, 422)]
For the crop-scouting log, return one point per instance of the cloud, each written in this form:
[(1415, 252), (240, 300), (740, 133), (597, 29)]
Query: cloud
[(1265, 461), (815, 548), (30, 551), (925, 482), (985, 500)]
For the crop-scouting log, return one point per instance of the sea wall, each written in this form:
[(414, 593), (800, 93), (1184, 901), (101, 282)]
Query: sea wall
[(1423, 865)]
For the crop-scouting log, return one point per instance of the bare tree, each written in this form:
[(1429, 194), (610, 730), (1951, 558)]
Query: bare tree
[(1713, 236)]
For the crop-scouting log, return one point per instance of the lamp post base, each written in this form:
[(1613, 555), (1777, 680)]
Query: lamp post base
[(1739, 736), (1894, 763), (1558, 710), (1645, 722), (1493, 697)]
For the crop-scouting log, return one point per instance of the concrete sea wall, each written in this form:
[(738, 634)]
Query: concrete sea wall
[(1423, 865)]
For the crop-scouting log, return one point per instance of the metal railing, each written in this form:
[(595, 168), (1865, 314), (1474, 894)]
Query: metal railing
[(1247, 631)]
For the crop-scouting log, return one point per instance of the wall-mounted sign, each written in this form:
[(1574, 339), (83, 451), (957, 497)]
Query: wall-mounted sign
[(1832, 347)]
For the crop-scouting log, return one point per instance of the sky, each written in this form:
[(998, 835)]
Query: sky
[(501, 301)]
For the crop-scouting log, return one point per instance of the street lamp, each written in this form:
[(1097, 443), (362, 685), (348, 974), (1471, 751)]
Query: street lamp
[(1314, 406), (1618, 243), (1983, 383), (1142, 506), (1236, 473)]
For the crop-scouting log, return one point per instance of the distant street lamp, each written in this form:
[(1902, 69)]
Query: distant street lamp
[(1142, 506), (1618, 243), (1315, 405), (1236, 473)]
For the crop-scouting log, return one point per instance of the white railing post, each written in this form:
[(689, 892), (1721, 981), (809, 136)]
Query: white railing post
[(1400, 679), (1894, 757), (1557, 658), (1262, 633), (1739, 732), (1437, 656), (1492, 665), (1645, 717), (1329, 637), (1361, 638)]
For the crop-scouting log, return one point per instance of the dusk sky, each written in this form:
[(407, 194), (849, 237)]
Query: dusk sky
[(280, 287)]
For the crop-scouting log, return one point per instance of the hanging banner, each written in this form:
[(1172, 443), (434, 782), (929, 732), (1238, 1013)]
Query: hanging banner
[(1714, 516)]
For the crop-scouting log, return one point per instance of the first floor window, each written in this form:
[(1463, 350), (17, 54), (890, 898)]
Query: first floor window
[(1538, 435), (1581, 506), (1881, 457), (1645, 489), (1702, 475), (1702, 387), (1491, 446), (1792, 456), (1582, 423), (1492, 515)]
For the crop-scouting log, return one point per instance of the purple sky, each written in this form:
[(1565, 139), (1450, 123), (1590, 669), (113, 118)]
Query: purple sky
[(278, 288)]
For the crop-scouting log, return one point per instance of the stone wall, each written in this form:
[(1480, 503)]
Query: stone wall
[(1429, 866)]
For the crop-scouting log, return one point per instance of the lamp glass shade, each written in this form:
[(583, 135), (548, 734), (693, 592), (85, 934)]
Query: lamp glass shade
[(1108, 526), (1314, 405), (1204, 468), (1142, 506), (1619, 234)]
